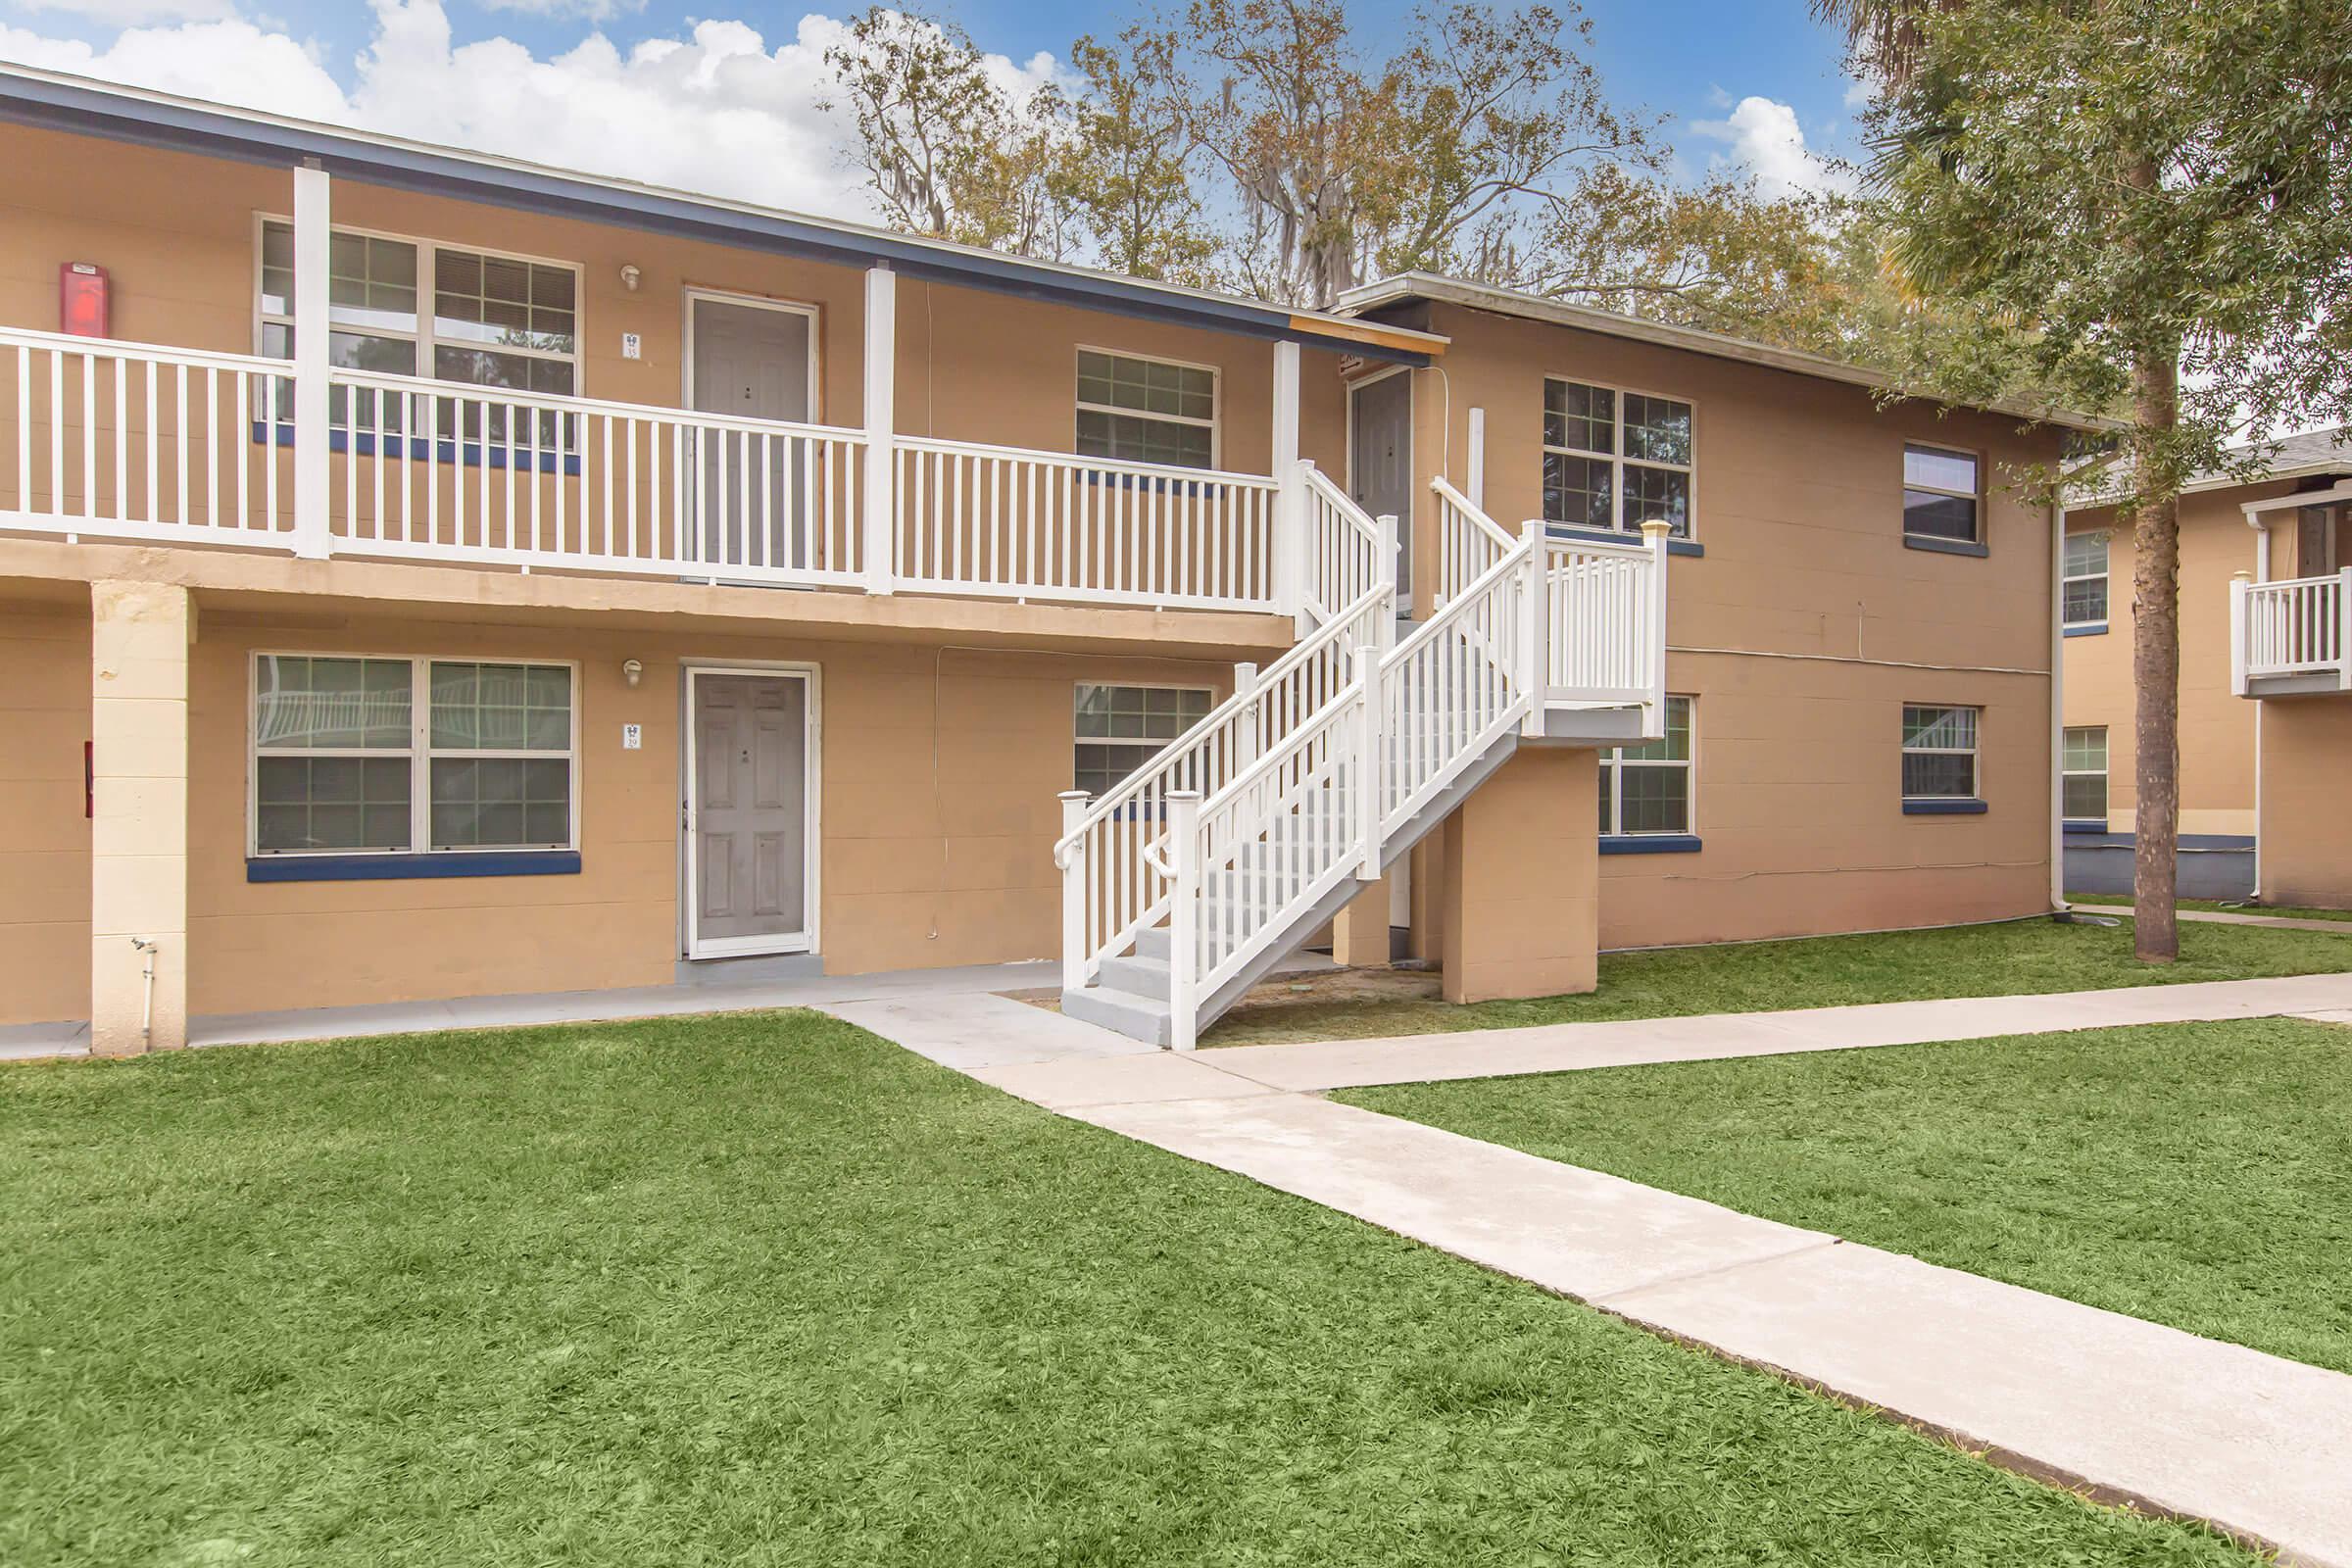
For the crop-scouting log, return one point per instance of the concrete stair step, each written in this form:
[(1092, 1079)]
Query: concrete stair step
[(1121, 1011), (1153, 978)]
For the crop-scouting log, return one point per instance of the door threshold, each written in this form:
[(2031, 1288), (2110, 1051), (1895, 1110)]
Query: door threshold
[(749, 968)]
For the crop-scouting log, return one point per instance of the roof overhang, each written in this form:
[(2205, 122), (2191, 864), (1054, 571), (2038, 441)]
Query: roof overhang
[(80, 105), (1411, 288)]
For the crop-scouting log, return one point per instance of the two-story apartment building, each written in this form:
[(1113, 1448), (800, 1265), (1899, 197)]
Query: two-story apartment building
[(426, 574), (2254, 773)]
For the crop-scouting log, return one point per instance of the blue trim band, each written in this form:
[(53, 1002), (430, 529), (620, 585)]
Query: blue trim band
[(1613, 536), (2190, 842), (1944, 808), (1649, 844), (1945, 547), (2085, 826), (424, 449), (2087, 629), (404, 867)]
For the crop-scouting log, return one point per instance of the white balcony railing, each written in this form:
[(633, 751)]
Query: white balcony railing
[(2296, 629), (135, 441)]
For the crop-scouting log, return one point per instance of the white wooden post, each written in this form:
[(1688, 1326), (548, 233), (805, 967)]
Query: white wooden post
[(1291, 544), (1365, 784), (1475, 486), (1386, 565), (1246, 747), (881, 428), (1073, 892), (1535, 645), (1183, 917), (1656, 531), (2343, 630), (312, 196)]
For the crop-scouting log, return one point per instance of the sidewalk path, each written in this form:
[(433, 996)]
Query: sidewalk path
[(2280, 922), (2256, 1443)]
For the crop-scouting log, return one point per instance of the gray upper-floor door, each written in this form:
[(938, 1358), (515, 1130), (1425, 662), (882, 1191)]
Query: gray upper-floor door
[(1380, 464), (750, 362)]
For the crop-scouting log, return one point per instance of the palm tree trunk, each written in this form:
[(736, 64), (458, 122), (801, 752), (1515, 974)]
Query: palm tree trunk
[(2156, 672)]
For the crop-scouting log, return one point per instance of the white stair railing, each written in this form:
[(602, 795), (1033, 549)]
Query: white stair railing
[(1319, 808), (1469, 542), (1604, 621), (2295, 626), (1349, 553)]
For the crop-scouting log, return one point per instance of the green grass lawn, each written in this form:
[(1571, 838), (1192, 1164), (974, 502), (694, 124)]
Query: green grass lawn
[(2014, 958), (2196, 1174), (764, 1290), (2223, 906)]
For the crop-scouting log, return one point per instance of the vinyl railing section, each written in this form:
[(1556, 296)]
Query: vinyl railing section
[(1348, 552), (454, 473), (1112, 886), (122, 441), (2300, 626), (1014, 523), (1604, 621), (1469, 542)]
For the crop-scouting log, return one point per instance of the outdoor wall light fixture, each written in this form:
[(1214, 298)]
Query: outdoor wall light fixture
[(631, 671), (630, 275)]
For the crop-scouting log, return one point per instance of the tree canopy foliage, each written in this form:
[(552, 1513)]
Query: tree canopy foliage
[(1260, 146)]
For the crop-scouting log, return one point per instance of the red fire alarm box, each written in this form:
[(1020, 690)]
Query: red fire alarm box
[(81, 305)]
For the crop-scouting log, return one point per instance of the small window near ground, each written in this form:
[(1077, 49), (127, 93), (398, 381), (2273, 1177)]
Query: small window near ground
[(2084, 786), (1939, 752), (1646, 788), (1145, 411), (1941, 493), (1119, 728), (388, 755), (2085, 580), (1615, 459)]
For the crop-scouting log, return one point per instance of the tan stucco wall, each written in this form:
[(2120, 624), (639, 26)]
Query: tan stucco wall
[(177, 233), (2306, 854), (940, 767), (44, 835), (1800, 632), (2217, 727)]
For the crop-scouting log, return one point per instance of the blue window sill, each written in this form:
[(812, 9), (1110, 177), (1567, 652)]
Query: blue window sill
[(1649, 844), (1610, 536), (405, 867), (1945, 547), (424, 449), (1944, 808), (2086, 826), (2089, 629)]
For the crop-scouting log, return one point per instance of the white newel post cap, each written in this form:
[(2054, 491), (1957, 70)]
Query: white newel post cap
[(1656, 529)]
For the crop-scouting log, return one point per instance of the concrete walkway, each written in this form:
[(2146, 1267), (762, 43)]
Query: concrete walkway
[(2256, 1443), (2277, 923)]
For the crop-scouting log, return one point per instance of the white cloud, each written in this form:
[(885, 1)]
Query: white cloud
[(1858, 93), (717, 111), (586, 9), (1764, 138)]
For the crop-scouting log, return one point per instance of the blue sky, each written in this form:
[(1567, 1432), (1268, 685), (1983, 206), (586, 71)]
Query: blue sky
[(723, 96)]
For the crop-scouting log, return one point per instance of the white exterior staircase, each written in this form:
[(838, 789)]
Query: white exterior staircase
[(1240, 839)]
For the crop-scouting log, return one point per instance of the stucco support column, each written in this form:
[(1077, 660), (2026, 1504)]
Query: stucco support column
[(1521, 881), (1359, 933), (139, 637)]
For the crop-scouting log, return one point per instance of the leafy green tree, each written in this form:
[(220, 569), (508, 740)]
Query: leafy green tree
[(2136, 204), (1126, 170)]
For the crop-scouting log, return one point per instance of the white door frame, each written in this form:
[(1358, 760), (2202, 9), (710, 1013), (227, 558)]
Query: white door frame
[(758, 302), (690, 861)]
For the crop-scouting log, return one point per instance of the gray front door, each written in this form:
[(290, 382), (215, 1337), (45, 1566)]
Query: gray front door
[(1380, 465), (751, 813), (751, 363)]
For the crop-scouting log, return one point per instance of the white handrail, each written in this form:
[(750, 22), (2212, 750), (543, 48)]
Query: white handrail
[(1015, 523), (2296, 625), (1348, 552), (1468, 540), (130, 441)]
